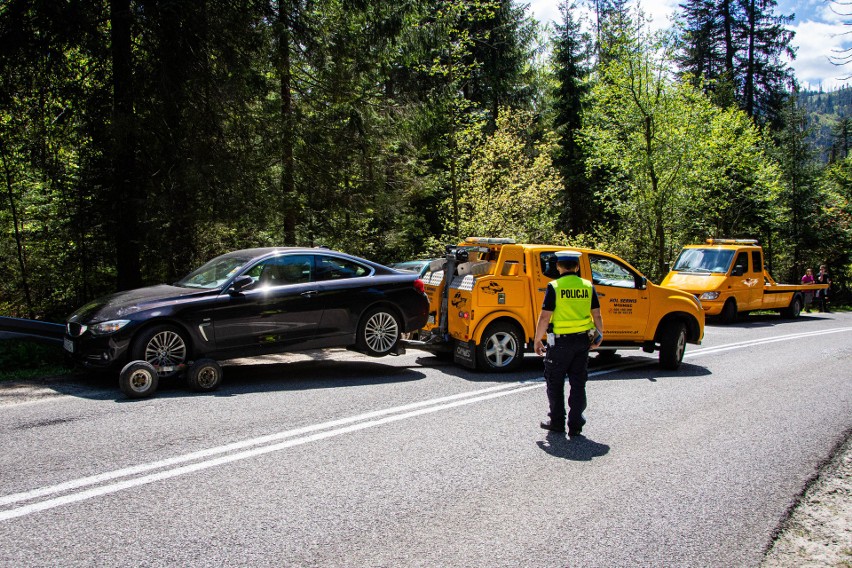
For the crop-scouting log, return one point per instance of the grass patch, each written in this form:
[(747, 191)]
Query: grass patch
[(21, 359)]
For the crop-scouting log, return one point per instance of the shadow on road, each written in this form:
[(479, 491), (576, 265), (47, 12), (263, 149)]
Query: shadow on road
[(337, 368), (574, 448), (757, 321)]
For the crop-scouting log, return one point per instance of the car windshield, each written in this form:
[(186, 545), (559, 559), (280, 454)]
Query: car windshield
[(215, 273), (704, 260)]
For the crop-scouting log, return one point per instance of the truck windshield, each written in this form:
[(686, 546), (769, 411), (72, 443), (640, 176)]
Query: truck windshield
[(704, 260)]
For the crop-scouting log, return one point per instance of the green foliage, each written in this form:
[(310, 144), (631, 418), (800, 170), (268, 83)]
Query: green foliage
[(510, 189), (21, 359), (679, 167), (833, 226), (387, 130)]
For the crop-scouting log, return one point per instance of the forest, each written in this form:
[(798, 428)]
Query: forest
[(140, 138)]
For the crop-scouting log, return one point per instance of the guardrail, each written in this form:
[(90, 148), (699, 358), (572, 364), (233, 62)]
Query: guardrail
[(32, 329)]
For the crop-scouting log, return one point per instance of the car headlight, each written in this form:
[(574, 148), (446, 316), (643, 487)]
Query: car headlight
[(708, 296), (107, 327)]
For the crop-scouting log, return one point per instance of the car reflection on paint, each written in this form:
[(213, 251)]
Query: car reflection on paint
[(421, 267), (251, 302)]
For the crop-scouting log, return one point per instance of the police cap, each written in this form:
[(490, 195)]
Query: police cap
[(568, 256)]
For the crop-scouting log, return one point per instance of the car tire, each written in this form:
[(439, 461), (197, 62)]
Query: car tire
[(163, 346), (138, 379), (672, 345), (204, 375), (501, 349), (379, 332), (729, 311)]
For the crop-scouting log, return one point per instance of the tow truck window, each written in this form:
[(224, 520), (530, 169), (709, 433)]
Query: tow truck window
[(742, 261), (756, 263), (608, 272), (548, 265)]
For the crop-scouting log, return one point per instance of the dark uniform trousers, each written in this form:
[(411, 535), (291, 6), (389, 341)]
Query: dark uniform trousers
[(568, 355)]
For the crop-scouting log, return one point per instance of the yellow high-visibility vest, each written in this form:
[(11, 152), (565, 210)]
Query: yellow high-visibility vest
[(573, 305)]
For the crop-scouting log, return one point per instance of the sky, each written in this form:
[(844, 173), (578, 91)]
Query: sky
[(818, 32)]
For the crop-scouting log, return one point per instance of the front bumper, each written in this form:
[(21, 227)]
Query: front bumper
[(97, 353), (712, 307)]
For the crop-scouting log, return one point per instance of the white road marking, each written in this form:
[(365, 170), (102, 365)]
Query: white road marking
[(282, 440), (753, 342), (466, 398)]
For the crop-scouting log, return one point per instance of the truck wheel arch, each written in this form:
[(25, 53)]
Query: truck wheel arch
[(503, 317), (693, 329)]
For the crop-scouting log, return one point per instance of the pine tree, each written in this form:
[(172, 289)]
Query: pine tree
[(842, 139), (736, 50), (570, 59)]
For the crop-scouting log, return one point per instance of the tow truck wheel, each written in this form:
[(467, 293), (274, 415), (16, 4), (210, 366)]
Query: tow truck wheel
[(672, 345), (204, 375), (501, 349), (607, 355), (794, 309), (378, 332), (729, 311), (138, 379)]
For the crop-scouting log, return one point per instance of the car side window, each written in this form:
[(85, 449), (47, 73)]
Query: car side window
[(333, 268), (608, 272), (282, 270)]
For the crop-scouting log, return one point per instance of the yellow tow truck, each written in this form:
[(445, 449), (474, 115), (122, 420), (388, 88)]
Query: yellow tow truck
[(486, 294), (729, 278)]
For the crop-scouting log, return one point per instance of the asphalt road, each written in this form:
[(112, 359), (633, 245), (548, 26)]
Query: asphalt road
[(335, 459)]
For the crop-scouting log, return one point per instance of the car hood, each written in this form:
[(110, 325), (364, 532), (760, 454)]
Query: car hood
[(123, 304), (694, 283)]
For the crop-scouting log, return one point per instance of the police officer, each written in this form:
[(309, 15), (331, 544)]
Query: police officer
[(569, 313)]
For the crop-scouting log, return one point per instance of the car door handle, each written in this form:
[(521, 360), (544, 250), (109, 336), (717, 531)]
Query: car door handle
[(310, 293), (600, 295)]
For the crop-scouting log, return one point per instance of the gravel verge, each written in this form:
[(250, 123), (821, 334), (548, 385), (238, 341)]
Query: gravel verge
[(818, 530)]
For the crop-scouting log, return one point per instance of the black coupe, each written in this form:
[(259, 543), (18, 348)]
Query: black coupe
[(245, 303)]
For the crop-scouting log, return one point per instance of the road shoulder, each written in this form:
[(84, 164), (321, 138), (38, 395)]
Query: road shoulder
[(818, 530)]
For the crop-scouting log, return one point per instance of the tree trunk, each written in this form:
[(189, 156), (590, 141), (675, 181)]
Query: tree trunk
[(18, 239), (289, 198), (126, 191), (748, 89)]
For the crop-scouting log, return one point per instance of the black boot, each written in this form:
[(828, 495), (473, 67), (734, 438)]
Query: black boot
[(553, 426)]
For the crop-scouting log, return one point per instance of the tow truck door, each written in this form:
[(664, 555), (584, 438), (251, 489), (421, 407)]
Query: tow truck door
[(746, 282), (543, 270), (623, 294)]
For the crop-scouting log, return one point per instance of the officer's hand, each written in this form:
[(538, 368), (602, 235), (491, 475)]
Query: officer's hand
[(539, 347), (597, 342)]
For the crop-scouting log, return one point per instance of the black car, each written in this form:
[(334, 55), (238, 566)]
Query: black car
[(245, 303)]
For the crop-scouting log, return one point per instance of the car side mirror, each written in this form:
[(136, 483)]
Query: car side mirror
[(640, 282), (738, 271), (240, 283)]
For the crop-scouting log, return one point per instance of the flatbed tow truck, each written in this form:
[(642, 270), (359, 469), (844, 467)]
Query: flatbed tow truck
[(729, 278)]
